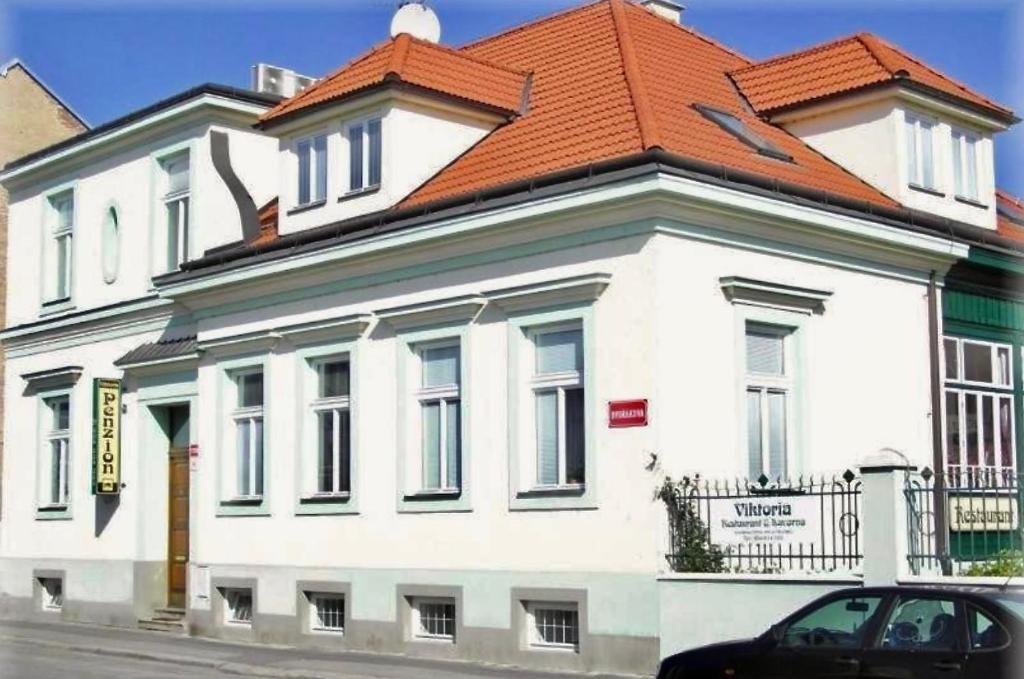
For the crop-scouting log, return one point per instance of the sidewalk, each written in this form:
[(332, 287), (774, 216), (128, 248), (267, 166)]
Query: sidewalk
[(252, 660)]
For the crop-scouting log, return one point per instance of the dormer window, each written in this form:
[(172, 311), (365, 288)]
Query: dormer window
[(364, 154), (312, 154), (965, 164), (920, 140)]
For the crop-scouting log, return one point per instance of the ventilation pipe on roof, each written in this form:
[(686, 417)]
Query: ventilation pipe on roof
[(666, 9), (418, 20)]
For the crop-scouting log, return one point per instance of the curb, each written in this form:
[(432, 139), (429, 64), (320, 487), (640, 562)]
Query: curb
[(227, 667)]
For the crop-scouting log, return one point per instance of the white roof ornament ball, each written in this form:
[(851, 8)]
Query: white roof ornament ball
[(418, 20)]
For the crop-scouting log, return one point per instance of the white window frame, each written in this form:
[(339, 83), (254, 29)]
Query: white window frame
[(441, 395), (249, 415), (51, 435), (230, 608), (419, 632), (182, 198), (59, 233), (316, 624), (364, 122), (962, 140), (48, 600), (559, 383), (913, 130), (336, 405), (997, 391), (766, 384), (533, 637), (317, 194)]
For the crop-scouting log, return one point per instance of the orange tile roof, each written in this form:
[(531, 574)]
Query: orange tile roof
[(612, 79), (1010, 216), (844, 66), (418, 63)]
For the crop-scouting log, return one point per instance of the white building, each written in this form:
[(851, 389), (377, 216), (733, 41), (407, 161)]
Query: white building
[(375, 413)]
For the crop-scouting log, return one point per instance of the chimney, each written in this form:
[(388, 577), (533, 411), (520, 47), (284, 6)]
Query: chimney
[(666, 9)]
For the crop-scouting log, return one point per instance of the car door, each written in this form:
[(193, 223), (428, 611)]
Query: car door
[(990, 654), (922, 637), (823, 642)]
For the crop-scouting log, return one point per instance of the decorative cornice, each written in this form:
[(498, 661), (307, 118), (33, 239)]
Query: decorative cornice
[(575, 289), (778, 295), (462, 308), (53, 378)]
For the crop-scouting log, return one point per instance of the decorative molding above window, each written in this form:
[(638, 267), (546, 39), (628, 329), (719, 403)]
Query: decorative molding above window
[(54, 378), (261, 340), (575, 289), (341, 328), (452, 310), (739, 290)]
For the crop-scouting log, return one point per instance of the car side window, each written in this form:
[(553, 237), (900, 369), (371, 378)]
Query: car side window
[(985, 633), (921, 624), (837, 624)]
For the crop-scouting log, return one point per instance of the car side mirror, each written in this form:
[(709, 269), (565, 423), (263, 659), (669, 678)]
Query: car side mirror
[(777, 631)]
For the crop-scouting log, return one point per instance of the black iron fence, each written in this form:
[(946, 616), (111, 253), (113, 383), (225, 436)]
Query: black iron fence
[(965, 521), (808, 524)]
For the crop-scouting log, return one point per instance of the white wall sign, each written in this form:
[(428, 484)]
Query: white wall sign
[(982, 513), (765, 520)]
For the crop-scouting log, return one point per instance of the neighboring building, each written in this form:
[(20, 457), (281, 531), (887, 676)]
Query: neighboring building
[(31, 116), (374, 412)]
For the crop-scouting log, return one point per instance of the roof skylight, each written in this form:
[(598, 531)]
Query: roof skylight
[(738, 129)]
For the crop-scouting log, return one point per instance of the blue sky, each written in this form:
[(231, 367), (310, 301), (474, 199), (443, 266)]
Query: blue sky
[(109, 57)]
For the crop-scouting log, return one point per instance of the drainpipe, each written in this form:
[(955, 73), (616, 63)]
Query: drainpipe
[(938, 464)]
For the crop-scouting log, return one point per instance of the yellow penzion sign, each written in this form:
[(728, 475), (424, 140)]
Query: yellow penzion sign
[(106, 436)]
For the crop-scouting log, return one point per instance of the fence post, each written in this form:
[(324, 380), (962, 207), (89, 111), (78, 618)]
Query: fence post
[(884, 516)]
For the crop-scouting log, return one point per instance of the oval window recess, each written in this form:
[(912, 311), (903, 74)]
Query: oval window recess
[(111, 245)]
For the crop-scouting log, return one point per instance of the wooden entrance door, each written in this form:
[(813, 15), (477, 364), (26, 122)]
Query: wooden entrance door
[(177, 542)]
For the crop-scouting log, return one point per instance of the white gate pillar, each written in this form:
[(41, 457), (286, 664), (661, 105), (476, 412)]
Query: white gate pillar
[(884, 517)]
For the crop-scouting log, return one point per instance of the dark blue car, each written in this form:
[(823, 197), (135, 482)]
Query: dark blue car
[(877, 633)]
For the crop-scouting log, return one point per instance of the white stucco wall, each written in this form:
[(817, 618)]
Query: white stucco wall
[(868, 139), (128, 180)]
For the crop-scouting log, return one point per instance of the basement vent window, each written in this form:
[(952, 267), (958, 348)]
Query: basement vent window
[(238, 606), (738, 129), (327, 613), (433, 619), (553, 625), (52, 590)]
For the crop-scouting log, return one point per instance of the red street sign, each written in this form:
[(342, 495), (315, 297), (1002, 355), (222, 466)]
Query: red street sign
[(627, 413)]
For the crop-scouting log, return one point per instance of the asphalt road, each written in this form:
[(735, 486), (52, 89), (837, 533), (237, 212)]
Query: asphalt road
[(19, 660)]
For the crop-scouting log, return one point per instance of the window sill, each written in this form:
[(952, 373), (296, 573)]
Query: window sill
[(573, 490), (325, 498), (428, 495), (971, 202), (358, 193), (243, 506), (925, 189), (326, 505), (307, 207), (53, 513), (57, 306)]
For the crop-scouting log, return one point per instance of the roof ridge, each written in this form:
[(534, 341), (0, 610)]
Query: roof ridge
[(789, 56), (646, 121), (907, 55), (532, 22), (458, 51), (398, 56), (304, 94), (870, 41)]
